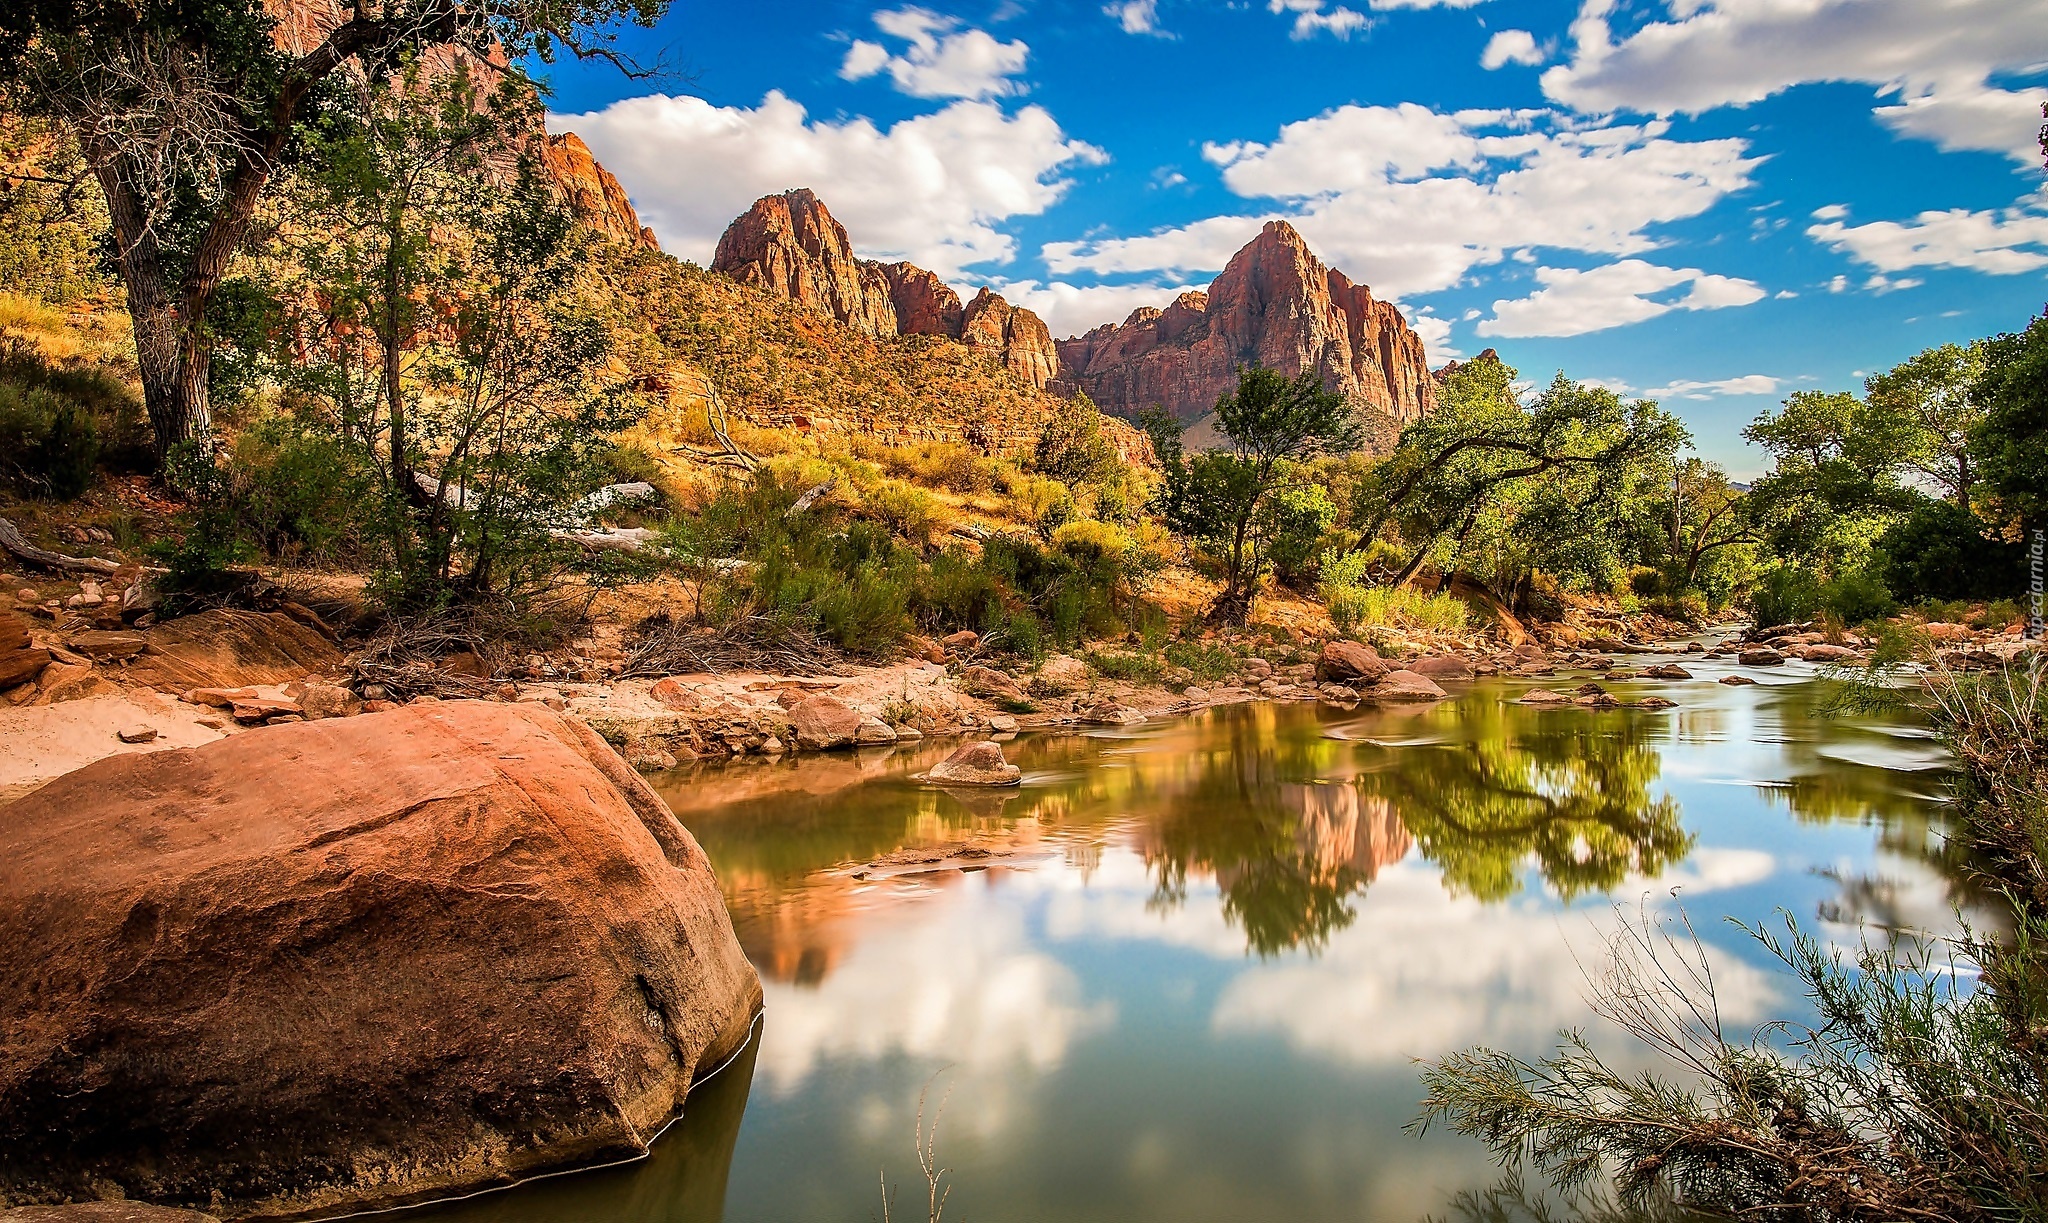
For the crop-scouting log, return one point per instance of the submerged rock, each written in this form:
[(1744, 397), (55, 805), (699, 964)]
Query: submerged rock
[(1669, 670), (1761, 656), (350, 963), (1543, 696), (976, 764), (1406, 686)]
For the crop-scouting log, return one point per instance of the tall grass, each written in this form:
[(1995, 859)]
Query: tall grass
[(1356, 605)]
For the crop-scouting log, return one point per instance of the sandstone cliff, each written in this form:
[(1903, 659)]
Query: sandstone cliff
[(592, 193), (1275, 305), (791, 245)]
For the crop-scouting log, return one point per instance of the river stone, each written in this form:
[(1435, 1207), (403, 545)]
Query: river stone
[(1736, 681), (1653, 702), (1442, 666), (873, 732), (1669, 670), (1060, 676), (1345, 662), (976, 764), (820, 722), (1542, 696), (1825, 653), (345, 964), (1760, 656), (1406, 686)]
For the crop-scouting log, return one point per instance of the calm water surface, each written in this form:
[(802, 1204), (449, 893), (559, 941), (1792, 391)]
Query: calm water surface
[(1183, 973)]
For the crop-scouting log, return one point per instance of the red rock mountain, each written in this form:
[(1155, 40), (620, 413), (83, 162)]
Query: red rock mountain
[(791, 245), (1275, 305)]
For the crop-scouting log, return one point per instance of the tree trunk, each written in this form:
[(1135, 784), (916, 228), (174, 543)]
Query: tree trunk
[(174, 361)]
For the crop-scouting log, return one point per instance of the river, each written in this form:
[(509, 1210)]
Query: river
[(1184, 972)]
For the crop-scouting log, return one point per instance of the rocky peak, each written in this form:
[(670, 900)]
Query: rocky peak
[(791, 245), (1451, 367), (1276, 305), (1021, 337)]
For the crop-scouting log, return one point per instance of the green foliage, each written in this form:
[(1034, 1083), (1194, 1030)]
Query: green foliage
[(1356, 610), (297, 491), (1225, 502), (2010, 444), (59, 422), (1939, 551), (1207, 661), (1071, 447), (1792, 594), (1301, 516), (48, 233), (1487, 486)]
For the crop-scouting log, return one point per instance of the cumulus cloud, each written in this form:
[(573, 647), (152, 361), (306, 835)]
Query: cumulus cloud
[(1935, 57), (2001, 241), (1135, 16), (1411, 199), (931, 189), (1573, 302), (1510, 47), (1436, 335), (1313, 17), (939, 59)]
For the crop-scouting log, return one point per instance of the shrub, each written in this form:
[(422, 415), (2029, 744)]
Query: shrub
[(296, 490), (1857, 597), (1089, 541), (1126, 665), (1355, 606), (60, 422), (1205, 660), (907, 509)]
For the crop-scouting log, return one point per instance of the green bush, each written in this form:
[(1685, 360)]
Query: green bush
[(1354, 605), (298, 491), (60, 423), (1793, 595)]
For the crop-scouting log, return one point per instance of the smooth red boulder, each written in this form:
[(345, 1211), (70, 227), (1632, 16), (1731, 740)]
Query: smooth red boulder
[(351, 963)]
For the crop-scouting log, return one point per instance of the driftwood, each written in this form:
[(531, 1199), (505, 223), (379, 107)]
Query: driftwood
[(16, 543), (810, 498), (729, 453)]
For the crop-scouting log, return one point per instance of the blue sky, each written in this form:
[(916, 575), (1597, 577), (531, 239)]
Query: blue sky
[(1711, 202)]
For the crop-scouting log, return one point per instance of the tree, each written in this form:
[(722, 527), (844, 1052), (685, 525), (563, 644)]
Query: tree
[(2010, 443), (1836, 481), (1224, 500), (1546, 487), (184, 110), (440, 329), (1705, 513), (1071, 447), (1933, 396)]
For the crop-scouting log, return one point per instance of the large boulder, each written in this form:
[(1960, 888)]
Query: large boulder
[(1442, 666), (821, 723), (1348, 662), (976, 764), (351, 963)]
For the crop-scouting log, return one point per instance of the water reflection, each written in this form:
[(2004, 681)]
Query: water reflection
[(1180, 974)]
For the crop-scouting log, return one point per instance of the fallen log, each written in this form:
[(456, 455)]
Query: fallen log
[(17, 544)]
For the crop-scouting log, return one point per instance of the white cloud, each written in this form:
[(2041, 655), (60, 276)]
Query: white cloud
[(1135, 16), (1936, 57), (1748, 384), (1312, 18), (1573, 302), (1070, 309), (931, 188), (1436, 335), (941, 60), (1411, 200), (2001, 241), (1510, 47), (1830, 212)]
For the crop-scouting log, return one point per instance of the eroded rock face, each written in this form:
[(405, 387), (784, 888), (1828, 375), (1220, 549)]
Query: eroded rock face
[(1015, 334), (1275, 305), (790, 244), (593, 193), (353, 962)]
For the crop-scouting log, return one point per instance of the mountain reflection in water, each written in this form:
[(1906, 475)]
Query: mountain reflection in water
[(1182, 972)]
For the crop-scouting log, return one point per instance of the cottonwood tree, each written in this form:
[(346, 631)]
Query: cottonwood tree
[(185, 110), (1224, 500), (1551, 486), (1932, 394)]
